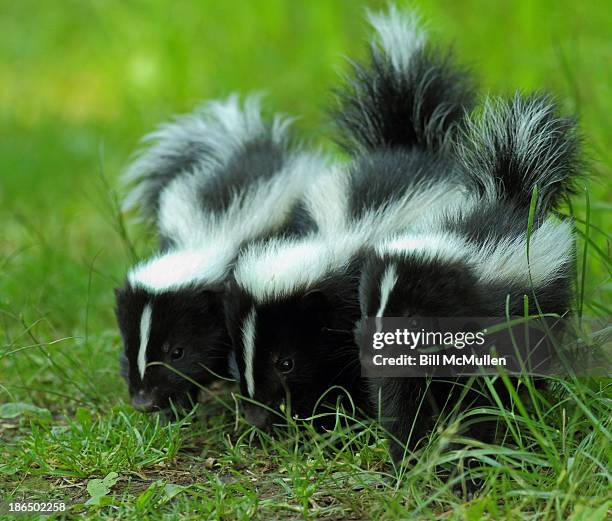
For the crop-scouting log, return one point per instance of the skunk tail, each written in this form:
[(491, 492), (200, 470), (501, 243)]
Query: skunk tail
[(409, 94), (517, 144), (200, 142)]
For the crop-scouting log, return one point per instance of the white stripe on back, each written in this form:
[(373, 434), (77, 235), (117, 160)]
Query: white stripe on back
[(259, 207), (248, 340), (551, 249), (145, 329)]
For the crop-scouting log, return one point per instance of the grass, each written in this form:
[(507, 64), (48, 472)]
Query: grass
[(79, 85)]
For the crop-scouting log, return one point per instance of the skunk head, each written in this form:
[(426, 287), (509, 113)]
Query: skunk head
[(403, 286), (173, 339), (291, 329), (445, 274), (283, 352)]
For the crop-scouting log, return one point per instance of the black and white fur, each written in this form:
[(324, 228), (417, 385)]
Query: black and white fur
[(474, 263), (293, 304), (212, 181)]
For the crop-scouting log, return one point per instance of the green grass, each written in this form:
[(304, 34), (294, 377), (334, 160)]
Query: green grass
[(80, 83)]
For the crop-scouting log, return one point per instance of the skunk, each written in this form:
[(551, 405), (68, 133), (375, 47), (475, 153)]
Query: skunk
[(212, 181), (474, 263), (292, 304)]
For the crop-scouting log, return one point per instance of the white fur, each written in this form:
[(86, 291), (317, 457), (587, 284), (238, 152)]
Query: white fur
[(387, 284), (220, 127), (182, 268), (263, 206), (248, 342), (145, 330), (550, 251), (422, 204), (431, 245), (399, 35), (327, 200), (280, 267), (206, 243), (527, 123)]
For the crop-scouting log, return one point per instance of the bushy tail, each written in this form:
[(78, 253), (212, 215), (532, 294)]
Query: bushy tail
[(516, 144), (200, 142), (409, 94)]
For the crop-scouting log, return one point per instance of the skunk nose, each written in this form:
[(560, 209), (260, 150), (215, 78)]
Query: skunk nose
[(257, 416), (143, 402)]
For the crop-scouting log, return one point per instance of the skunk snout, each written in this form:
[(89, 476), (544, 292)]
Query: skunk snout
[(257, 416), (141, 401)]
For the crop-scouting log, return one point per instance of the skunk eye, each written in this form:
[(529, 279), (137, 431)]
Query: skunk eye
[(285, 365), (177, 354)]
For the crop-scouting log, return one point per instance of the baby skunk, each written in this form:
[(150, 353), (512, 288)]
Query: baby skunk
[(293, 304), (212, 181), (474, 263)]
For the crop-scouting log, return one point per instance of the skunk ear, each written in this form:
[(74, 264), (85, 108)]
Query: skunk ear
[(316, 305)]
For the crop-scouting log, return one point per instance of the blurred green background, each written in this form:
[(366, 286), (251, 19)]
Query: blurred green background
[(82, 81)]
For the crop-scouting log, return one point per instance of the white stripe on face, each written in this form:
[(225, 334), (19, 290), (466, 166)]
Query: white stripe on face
[(386, 287), (248, 340), (145, 329), (387, 284)]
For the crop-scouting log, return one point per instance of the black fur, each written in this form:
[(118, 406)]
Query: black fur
[(189, 320), (381, 108), (311, 328), (184, 158), (260, 159), (328, 358), (416, 115), (190, 317), (427, 288), (435, 288), (521, 143), (385, 176), (396, 126)]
